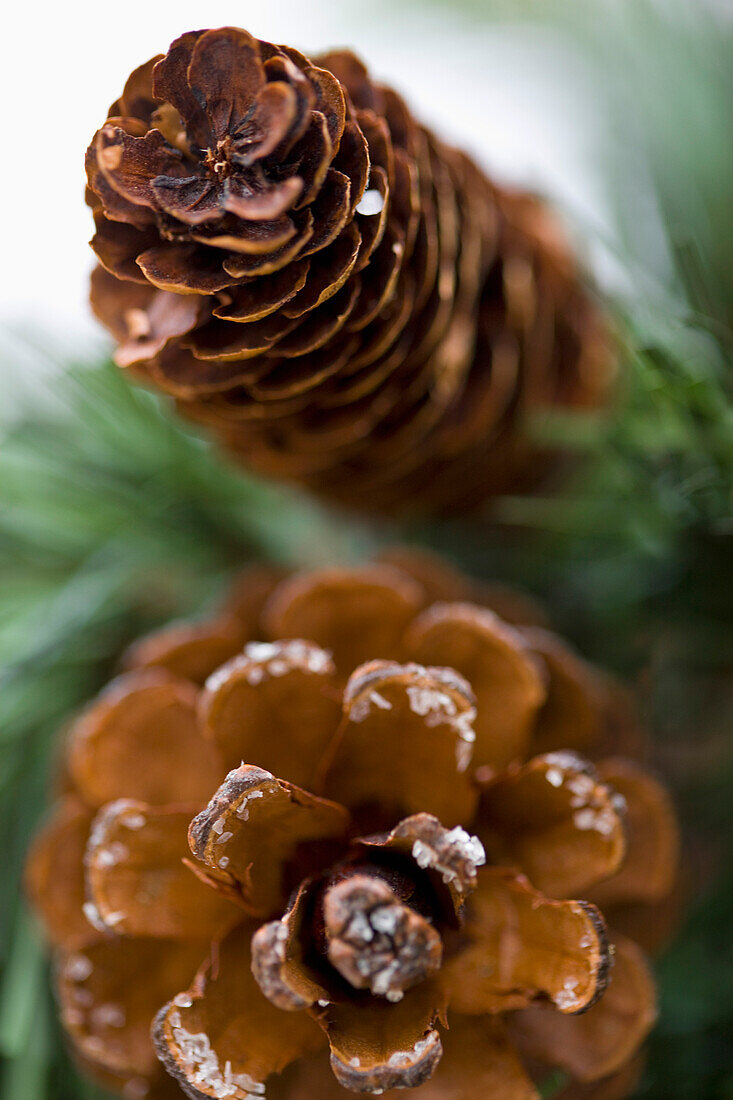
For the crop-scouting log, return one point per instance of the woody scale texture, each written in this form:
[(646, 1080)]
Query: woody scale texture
[(364, 830), (337, 295)]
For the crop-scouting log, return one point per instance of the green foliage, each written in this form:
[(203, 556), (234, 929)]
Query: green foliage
[(635, 556), (113, 518)]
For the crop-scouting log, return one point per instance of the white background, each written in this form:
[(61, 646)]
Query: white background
[(507, 92)]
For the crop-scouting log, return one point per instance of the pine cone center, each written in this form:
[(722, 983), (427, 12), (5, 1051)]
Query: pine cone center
[(218, 160)]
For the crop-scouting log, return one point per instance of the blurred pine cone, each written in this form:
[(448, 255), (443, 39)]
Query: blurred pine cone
[(345, 301), (431, 890)]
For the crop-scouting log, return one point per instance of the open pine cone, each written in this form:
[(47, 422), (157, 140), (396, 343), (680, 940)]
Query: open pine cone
[(269, 851), (344, 300)]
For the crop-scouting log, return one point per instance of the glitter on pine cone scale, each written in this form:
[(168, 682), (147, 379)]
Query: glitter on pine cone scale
[(257, 925), (341, 298)]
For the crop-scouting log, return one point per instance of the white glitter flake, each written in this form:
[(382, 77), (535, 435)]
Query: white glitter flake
[(385, 919), (591, 811), (619, 803), (409, 1057), (585, 819), (110, 854), (243, 807), (93, 915), (360, 929), (458, 847), (203, 1070), (423, 855), (380, 701), (582, 787), (108, 1015), (226, 672), (261, 651), (381, 983), (281, 939), (366, 704), (438, 707), (463, 726), (468, 847), (603, 820), (567, 998), (279, 658), (78, 968), (431, 703), (565, 761)]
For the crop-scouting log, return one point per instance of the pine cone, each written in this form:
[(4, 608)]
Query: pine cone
[(344, 300), (424, 881)]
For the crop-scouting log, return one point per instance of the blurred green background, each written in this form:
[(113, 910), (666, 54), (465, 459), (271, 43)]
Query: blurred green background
[(114, 518)]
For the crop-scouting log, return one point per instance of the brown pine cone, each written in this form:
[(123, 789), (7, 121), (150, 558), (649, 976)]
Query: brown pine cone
[(189, 879), (344, 300)]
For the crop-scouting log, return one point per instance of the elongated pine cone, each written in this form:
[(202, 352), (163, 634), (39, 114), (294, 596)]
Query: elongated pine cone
[(269, 849), (344, 300)]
